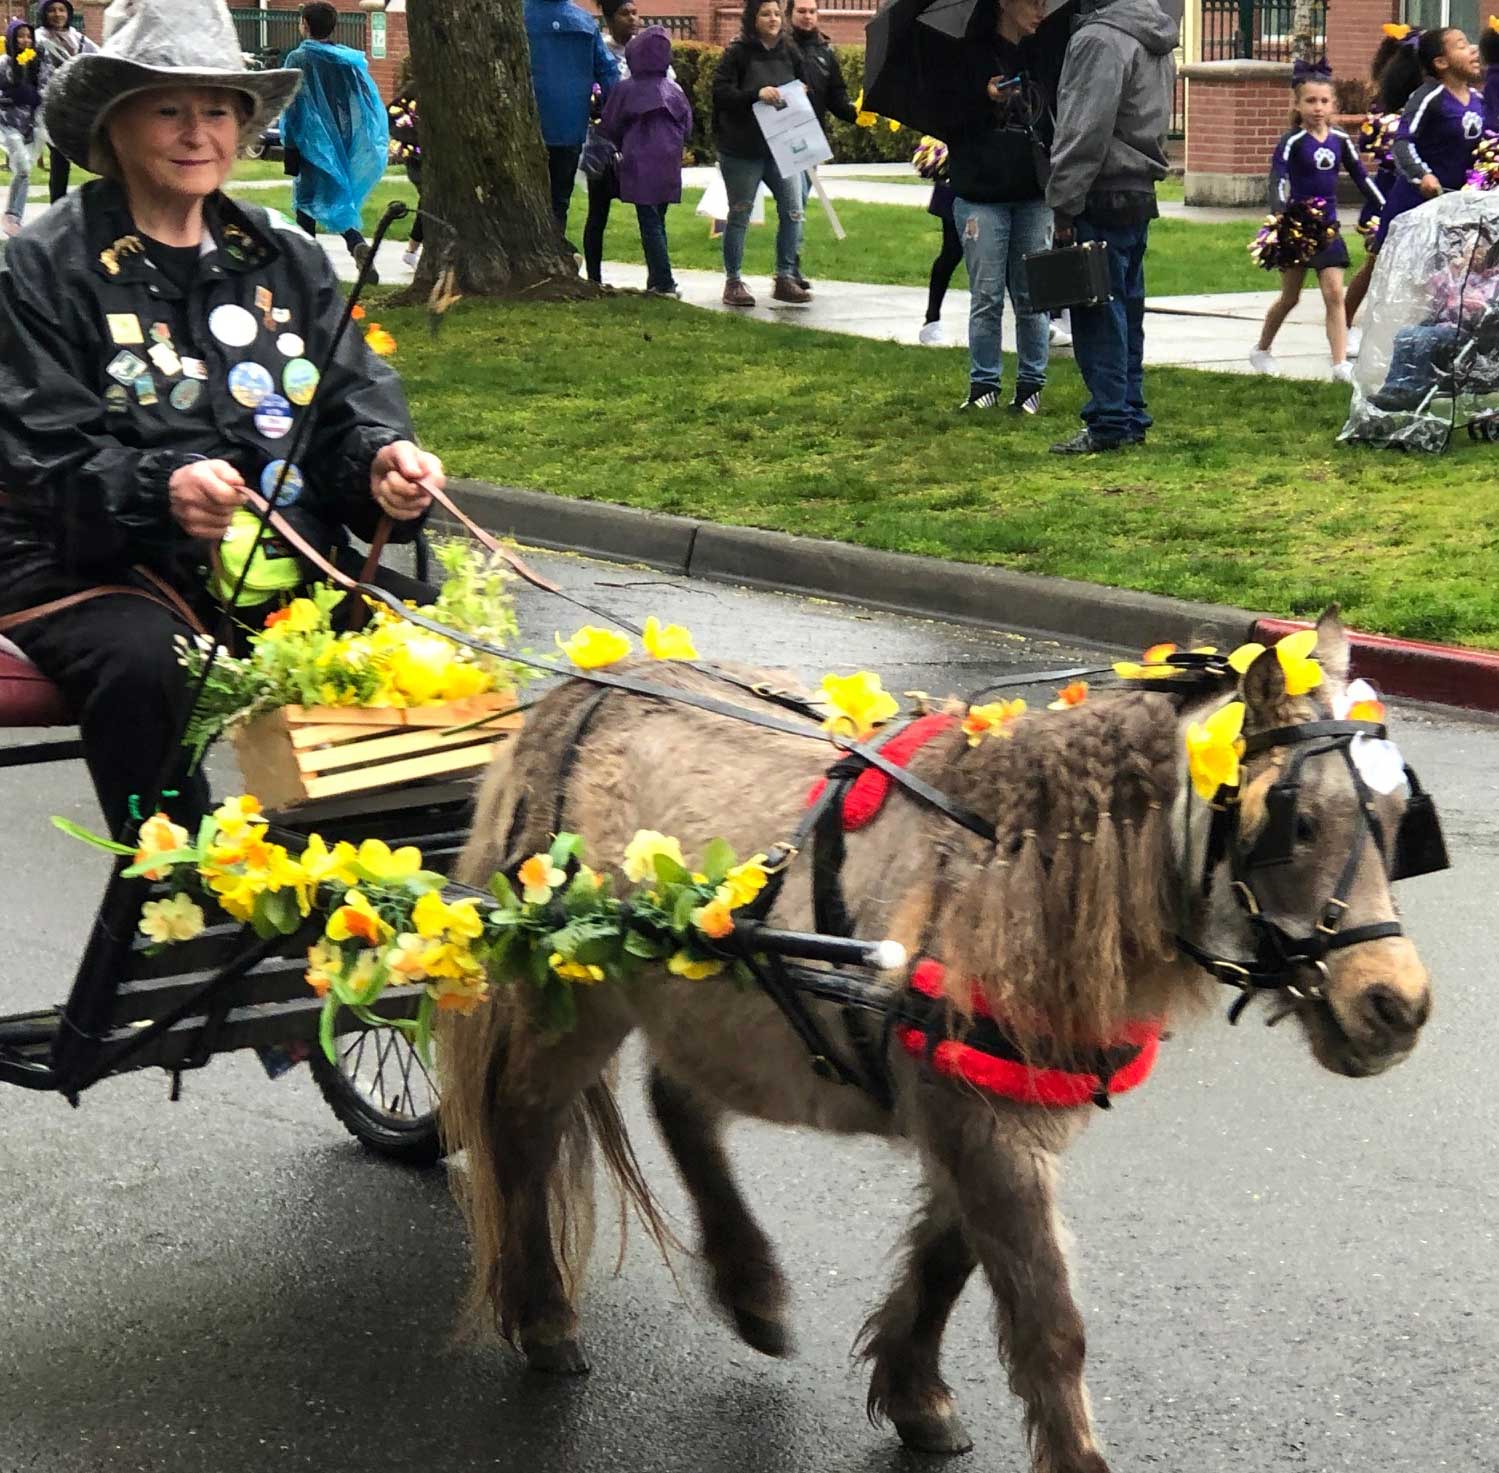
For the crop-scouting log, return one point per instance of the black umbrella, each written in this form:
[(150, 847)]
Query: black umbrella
[(914, 59)]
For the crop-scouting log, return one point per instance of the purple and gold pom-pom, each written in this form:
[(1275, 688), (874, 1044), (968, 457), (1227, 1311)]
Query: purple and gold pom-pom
[(1484, 174), (1291, 238), (930, 159), (1376, 136)]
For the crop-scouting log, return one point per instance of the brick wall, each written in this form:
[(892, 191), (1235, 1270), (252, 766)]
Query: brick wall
[(1235, 113), (1353, 33), (718, 24)]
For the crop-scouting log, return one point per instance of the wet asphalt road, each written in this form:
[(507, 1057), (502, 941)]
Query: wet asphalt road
[(1280, 1270)]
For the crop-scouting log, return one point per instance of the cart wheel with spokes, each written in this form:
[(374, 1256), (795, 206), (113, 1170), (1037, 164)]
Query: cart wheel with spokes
[(384, 1095)]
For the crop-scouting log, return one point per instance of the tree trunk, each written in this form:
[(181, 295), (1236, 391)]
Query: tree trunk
[(1303, 37), (485, 194)]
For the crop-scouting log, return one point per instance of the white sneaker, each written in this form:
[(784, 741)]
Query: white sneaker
[(932, 335), (1342, 373), (410, 258), (1261, 360), (1355, 341), (1057, 335)]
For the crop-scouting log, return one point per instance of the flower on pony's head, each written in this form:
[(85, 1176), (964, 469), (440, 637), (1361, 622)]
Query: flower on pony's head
[(1294, 652), (1069, 696), (743, 882), (860, 703), (538, 877), (1214, 747), (714, 919)]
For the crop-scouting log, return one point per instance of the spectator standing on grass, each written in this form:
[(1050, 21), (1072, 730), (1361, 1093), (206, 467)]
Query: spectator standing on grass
[(752, 69), (997, 151), (22, 77), (621, 22), (568, 59), (1113, 113), (825, 85), (648, 119), (335, 132), (57, 42)]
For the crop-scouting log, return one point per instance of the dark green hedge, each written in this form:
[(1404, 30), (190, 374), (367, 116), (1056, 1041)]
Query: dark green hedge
[(695, 64)]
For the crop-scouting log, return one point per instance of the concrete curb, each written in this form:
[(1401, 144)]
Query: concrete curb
[(964, 593)]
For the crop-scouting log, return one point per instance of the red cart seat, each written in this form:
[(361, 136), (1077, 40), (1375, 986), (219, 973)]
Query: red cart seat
[(27, 697)]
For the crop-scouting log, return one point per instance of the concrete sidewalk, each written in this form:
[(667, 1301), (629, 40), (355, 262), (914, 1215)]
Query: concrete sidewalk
[(1211, 331)]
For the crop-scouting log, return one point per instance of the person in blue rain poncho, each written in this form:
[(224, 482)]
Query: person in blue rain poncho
[(336, 132)]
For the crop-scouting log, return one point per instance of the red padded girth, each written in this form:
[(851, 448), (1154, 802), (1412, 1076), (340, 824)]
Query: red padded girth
[(1031, 1085)]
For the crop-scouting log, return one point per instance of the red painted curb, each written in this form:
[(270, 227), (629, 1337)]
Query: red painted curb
[(1444, 673)]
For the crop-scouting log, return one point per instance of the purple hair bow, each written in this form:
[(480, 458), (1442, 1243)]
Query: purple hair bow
[(1310, 71)]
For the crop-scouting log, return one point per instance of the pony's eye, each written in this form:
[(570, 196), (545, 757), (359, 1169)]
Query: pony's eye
[(1306, 830)]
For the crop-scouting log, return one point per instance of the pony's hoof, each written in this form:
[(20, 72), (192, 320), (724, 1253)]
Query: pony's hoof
[(769, 1337), (934, 1432), (557, 1357)]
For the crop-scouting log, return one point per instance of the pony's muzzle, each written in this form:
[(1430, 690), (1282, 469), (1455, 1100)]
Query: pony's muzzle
[(1393, 1018)]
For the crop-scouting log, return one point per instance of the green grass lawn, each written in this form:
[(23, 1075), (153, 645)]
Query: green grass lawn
[(1240, 496), (887, 244)]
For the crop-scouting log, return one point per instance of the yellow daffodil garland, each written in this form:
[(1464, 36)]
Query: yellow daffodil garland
[(385, 918)]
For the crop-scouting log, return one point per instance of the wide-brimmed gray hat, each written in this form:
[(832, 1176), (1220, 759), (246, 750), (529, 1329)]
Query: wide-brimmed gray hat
[(149, 44)]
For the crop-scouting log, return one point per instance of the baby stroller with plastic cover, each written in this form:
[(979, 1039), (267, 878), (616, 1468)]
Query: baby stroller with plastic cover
[(1430, 359)]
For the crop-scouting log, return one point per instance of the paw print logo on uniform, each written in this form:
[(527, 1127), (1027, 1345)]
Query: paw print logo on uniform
[(1325, 158), (1472, 124)]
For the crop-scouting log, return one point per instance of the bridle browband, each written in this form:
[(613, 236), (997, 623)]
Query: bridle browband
[(1283, 960)]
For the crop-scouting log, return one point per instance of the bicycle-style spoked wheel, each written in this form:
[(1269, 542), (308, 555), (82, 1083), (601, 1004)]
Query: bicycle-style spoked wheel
[(384, 1094)]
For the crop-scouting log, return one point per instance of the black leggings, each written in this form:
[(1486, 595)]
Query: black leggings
[(352, 238), (57, 180), (949, 258), (601, 194)]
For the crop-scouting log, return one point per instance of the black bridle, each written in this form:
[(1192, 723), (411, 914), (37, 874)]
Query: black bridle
[(1282, 960)]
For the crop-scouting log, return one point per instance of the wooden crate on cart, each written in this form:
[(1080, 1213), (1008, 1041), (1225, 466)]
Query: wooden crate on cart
[(298, 753)]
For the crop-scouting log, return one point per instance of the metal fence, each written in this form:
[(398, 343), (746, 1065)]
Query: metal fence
[(270, 34), (679, 27), (1258, 30)]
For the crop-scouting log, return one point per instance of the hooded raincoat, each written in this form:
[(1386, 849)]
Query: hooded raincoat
[(337, 123), (20, 97), (1113, 113), (648, 118)]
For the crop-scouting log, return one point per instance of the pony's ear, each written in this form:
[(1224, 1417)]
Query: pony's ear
[(1332, 646), (1264, 689)]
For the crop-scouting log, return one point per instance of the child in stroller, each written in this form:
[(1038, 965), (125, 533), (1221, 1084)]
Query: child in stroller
[(1429, 357)]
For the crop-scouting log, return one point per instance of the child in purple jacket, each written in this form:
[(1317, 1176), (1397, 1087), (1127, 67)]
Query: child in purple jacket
[(648, 118)]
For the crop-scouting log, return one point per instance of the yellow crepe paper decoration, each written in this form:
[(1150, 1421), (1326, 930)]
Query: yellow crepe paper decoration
[(591, 647), (860, 703)]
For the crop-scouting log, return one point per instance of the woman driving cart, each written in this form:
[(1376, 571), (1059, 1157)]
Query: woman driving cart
[(159, 346)]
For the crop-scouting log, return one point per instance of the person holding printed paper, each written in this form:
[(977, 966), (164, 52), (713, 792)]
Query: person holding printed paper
[(825, 86), (752, 69)]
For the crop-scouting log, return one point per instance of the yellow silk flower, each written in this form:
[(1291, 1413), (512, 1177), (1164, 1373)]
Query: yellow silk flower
[(380, 341), (159, 835), (714, 919), (1302, 673), (995, 719), (667, 642), (1069, 696), (591, 647), (640, 854), (1213, 750), (682, 965), (859, 701), (538, 877), (175, 919)]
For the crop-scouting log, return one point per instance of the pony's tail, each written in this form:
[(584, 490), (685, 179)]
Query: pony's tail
[(494, 1108)]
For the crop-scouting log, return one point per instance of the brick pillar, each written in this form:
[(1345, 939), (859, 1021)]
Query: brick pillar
[(1353, 34), (92, 12), (1236, 110)]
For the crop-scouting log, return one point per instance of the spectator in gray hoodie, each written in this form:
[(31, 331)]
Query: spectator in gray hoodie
[(1109, 149)]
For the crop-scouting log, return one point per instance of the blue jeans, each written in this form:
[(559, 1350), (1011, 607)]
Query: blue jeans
[(741, 178), (658, 277), (996, 238), (1109, 342)]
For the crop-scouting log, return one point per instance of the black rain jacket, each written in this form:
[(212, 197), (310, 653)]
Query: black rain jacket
[(85, 460), (825, 84), (746, 66)]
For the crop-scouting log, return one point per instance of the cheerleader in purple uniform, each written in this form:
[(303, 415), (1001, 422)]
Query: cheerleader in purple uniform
[(1443, 120), (1304, 167), (1488, 54)]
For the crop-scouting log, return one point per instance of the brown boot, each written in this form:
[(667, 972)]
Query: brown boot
[(737, 294), (787, 290)]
